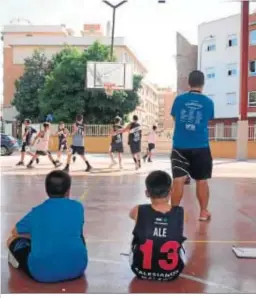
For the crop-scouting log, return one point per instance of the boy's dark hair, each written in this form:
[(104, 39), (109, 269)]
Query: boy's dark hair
[(46, 124), (79, 117), (27, 121), (117, 120), (158, 184), (154, 127), (61, 122), (135, 118), (196, 79), (57, 184)]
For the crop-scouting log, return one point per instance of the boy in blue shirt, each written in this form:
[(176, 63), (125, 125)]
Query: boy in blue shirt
[(47, 243)]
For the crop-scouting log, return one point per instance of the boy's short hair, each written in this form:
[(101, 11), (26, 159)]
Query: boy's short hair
[(117, 120), (158, 184), (57, 184), (46, 124), (61, 122), (196, 79), (154, 127), (79, 117), (135, 118), (28, 121)]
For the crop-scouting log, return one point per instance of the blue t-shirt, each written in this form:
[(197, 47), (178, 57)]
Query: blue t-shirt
[(192, 112), (57, 249)]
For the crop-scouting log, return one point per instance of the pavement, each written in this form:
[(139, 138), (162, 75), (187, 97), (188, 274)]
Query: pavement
[(108, 195)]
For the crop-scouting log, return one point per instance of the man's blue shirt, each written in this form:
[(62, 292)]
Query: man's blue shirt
[(57, 248), (192, 112)]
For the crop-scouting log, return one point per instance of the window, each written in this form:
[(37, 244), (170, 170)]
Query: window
[(211, 48), (252, 68), (232, 41), (231, 98), (253, 37), (210, 73), (252, 99), (232, 70)]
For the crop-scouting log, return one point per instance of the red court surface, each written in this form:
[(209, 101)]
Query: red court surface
[(211, 268)]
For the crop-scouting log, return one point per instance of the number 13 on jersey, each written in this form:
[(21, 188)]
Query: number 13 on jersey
[(169, 248)]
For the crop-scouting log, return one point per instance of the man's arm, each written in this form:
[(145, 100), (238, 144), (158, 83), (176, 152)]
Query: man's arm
[(174, 108), (122, 130), (212, 111), (134, 213), (36, 138)]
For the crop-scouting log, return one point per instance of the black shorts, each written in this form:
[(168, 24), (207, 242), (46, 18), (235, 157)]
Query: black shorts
[(135, 147), (43, 153), (151, 147), (117, 148), (62, 146), (77, 149), (194, 162), (20, 249), (24, 147)]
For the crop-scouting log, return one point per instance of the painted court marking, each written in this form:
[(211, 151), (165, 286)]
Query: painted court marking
[(183, 275)]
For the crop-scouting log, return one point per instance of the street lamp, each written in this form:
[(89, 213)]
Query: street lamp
[(201, 49), (114, 7)]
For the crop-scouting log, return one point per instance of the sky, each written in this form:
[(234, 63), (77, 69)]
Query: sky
[(149, 27)]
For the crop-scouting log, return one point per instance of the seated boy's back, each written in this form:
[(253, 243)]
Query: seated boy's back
[(157, 251), (55, 227)]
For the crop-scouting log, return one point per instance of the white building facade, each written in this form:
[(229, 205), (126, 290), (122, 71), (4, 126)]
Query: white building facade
[(219, 59)]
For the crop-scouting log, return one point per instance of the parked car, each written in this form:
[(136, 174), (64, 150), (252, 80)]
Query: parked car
[(8, 144)]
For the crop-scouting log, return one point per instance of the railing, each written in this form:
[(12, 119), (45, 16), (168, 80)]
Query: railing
[(252, 133), (223, 132)]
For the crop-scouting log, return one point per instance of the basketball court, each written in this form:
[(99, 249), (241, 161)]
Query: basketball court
[(212, 266)]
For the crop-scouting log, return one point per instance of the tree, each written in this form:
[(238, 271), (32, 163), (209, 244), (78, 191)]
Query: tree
[(64, 90), (28, 86)]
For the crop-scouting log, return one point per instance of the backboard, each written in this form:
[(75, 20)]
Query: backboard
[(101, 73)]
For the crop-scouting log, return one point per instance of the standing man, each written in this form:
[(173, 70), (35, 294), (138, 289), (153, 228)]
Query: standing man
[(78, 143), (191, 154)]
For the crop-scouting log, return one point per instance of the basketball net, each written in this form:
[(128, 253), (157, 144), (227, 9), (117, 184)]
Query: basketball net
[(109, 88)]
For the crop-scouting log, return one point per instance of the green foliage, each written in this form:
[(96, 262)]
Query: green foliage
[(26, 97), (60, 89)]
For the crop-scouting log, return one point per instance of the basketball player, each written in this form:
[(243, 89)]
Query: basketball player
[(134, 139), (151, 144), (157, 252), (78, 143), (63, 143), (41, 143), (116, 145), (191, 153), (26, 142)]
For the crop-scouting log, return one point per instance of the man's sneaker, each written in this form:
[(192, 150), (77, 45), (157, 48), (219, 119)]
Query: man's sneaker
[(37, 160), (74, 158), (20, 163), (205, 215), (66, 169), (113, 163), (57, 164), (149, 160), (88, 169), (120, 167), (29, 166), (144, 158), (12, 261)]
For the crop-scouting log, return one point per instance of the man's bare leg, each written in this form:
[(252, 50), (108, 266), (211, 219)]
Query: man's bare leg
[(120, 160), (69, 155), (177, 190), (203, 194), (113, 162)]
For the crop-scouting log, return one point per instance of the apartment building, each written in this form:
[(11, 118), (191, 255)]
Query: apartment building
[(166, 98), (20, 41), (219, 59)]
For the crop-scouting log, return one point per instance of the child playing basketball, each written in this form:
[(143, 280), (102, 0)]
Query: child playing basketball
[(116, 145), (47, 243), (151, 144), (63, 142), (157, 252), (41, 143)]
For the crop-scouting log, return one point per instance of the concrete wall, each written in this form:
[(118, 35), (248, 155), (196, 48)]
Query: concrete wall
[(186, 61)]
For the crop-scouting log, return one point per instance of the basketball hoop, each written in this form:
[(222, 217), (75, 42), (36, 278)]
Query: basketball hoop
[(109, 88)]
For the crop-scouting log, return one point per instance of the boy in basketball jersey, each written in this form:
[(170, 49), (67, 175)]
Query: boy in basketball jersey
[(151, 144), (26, 142), (116, 145), (157, 252), (41, 143), (63, 142), (78, 143)]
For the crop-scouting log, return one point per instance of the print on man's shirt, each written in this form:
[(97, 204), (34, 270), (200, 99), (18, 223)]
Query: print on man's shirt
[(192, 115)]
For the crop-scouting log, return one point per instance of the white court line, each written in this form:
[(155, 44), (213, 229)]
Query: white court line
[(185, 276)]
